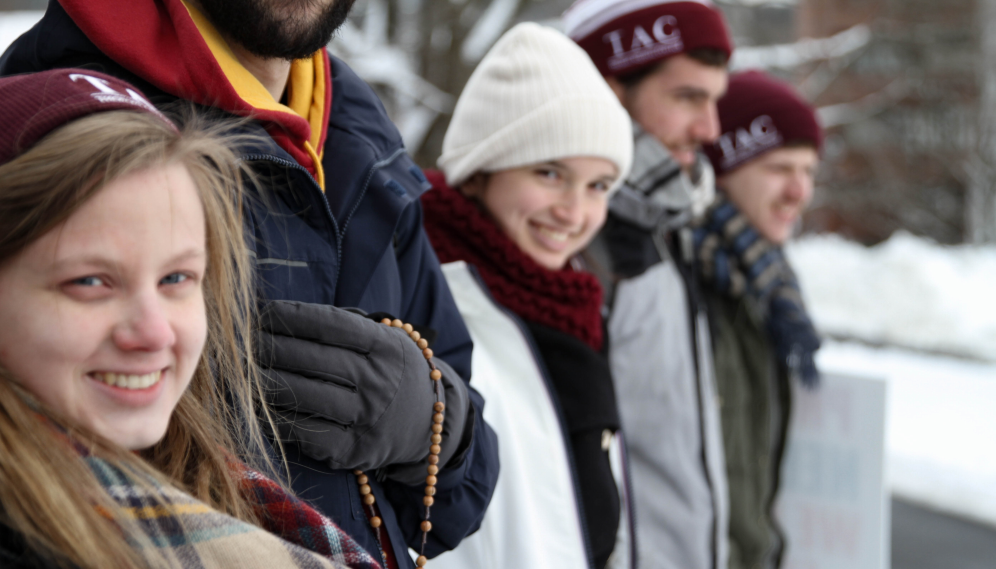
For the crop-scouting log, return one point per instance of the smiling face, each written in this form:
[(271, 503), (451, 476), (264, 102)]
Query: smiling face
[(550, 210), (774, 189), (104, 317), (676, 103)]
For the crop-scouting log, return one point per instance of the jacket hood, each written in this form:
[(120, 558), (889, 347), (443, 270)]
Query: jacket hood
[(172, 46)]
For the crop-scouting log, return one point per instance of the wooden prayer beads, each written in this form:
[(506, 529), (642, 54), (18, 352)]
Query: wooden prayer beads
[(438, 409)]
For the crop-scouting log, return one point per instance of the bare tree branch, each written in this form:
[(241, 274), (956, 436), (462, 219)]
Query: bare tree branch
[(807, 50)]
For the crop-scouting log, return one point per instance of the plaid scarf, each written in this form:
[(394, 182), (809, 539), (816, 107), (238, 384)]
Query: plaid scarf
[(193, 535), (736, 261)]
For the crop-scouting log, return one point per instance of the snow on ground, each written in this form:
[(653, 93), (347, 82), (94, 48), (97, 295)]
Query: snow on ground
[(940, 425), (13, 24), (905, 292), (912, 294)]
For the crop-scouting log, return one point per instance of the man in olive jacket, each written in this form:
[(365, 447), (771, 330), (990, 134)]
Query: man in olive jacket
[(765, 160)]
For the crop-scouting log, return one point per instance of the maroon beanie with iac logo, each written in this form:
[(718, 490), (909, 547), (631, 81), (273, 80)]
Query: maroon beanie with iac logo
[(35, 104), (624, 36), (758, 114)]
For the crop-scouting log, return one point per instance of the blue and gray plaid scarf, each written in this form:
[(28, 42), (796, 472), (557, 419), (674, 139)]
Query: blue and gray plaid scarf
[(735, 260)]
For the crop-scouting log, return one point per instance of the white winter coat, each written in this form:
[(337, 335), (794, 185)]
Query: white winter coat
[(534, 518)]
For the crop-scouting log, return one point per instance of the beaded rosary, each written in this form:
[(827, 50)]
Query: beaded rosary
[(437, 438)]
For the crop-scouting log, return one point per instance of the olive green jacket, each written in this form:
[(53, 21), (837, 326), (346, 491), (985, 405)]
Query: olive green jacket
[(755, 403)]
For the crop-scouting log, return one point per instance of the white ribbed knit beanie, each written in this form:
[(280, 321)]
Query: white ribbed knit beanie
[(536, 96)]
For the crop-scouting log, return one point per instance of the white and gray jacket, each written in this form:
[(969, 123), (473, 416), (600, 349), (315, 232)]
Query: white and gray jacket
[(661, 362), (534, 519)]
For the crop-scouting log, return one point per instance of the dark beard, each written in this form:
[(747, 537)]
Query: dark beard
[(254, 25)]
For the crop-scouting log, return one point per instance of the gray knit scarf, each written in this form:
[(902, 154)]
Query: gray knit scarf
[(656, 195)]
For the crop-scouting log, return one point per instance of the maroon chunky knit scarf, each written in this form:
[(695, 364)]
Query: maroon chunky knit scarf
[(566, 300)]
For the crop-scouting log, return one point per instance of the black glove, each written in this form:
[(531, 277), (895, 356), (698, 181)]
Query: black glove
[(354, 393)]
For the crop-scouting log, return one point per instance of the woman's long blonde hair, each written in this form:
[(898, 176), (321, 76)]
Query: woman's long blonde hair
[(47, 492)]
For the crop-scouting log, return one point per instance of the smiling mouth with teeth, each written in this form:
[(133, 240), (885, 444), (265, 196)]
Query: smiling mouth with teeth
[(126, 381), (555, 235)]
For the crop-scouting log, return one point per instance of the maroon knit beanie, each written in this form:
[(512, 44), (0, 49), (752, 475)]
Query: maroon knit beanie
[(35, 104), (624, 36), (760, 113)]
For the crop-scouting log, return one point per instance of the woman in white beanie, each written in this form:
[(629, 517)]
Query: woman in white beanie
[(536, 145)]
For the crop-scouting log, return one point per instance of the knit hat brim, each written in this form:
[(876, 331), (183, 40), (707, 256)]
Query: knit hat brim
[(550, 132), (759, 114), (35, 104), (535, 97), (625, 36)]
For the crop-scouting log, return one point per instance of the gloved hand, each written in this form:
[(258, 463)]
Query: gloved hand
[(456, 440), (354, 393)]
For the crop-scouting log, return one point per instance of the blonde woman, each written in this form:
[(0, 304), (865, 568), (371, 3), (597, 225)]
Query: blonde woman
[(127, 399)]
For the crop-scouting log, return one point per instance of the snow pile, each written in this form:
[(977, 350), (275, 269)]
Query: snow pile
[(907, 292), (13, 24)]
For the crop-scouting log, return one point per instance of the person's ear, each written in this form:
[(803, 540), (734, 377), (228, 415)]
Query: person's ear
[(474, 186)]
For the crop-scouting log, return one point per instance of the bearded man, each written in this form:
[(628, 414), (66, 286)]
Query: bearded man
[(334, 220)]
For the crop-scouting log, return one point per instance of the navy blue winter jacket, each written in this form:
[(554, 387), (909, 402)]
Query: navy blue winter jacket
[(362, 245)]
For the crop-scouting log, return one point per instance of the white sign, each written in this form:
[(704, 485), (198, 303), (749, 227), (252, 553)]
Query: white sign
[(833, 505)]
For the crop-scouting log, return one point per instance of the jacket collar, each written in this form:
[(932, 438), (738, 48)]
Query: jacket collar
[(201, 68), (657, 193)]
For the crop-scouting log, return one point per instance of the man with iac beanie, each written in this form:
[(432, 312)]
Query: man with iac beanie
[(763, 339), (666, 62)]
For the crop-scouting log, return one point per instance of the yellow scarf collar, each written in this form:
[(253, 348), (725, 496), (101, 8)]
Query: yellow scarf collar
[(305, 87)]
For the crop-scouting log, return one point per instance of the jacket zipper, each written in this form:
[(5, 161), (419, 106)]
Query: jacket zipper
[(627, 481), (316, 188), (695, 311), (363, 193), (340, 235)]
